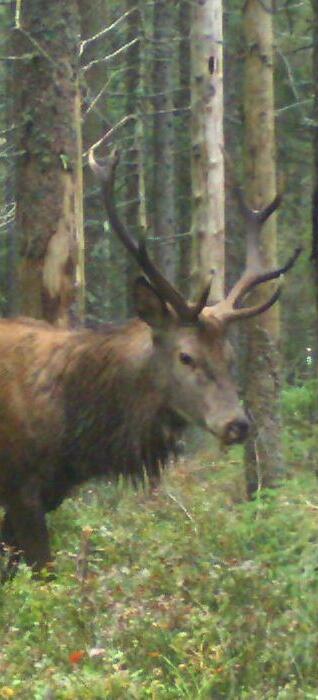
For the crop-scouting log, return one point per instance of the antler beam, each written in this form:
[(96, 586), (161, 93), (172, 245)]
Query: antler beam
[(164, 288)]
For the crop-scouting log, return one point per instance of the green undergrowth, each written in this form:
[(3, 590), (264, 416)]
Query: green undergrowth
[(191, 592), (300, 413)]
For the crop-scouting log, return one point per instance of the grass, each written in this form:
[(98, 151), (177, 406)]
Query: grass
[(188, 593)]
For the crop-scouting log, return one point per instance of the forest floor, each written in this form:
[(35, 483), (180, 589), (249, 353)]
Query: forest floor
[(190, 592)]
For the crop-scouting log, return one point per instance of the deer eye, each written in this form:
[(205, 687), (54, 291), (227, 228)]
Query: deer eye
[(186, 359)]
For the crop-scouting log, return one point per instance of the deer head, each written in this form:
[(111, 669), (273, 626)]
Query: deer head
[(190, 352)]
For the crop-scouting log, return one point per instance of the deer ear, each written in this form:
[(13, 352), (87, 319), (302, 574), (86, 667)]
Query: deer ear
[(149, 306)]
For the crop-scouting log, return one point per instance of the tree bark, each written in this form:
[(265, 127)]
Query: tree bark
[(94, 18), (263, 455), (314, 249), (9, 245), (133, 174), (163, 137), (207, 143), (49, 174), (183, 154)]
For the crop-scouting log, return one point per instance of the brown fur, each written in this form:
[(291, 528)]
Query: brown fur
[(70, 398), (81, 404), (72, 409)]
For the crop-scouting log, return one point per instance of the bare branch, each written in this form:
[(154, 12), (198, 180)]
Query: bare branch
[(290, 76), (110, 133), (110, 56), (106, 30)]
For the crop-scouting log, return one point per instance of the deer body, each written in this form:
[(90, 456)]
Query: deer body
[(82, 404)]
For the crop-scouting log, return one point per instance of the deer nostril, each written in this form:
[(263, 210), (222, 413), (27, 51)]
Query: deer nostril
[(236, 431)]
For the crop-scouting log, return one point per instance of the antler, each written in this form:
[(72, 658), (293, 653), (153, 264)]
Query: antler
[(164, 288), (254, 274)]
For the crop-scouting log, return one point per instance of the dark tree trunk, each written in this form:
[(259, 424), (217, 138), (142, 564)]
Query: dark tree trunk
[(314, 250), (132, 211), (163, 138), (49, 190), (9, 249), (183, 154), (94, 18)]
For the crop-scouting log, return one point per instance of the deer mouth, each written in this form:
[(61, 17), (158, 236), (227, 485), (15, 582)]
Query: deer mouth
[(235, 432)]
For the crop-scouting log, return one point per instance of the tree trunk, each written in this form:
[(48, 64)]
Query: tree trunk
[(264, 463), (9, 242), (94, 18), (314, 250), (133, 174), (183, 154), (49, 184), (163, 138), (207, 143)]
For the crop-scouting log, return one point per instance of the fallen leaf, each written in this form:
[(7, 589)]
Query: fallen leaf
[(76, 656)]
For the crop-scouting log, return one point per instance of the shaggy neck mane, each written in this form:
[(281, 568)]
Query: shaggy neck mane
[(115, 416)]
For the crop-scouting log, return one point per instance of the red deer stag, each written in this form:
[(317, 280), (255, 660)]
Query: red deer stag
[(81, 404)]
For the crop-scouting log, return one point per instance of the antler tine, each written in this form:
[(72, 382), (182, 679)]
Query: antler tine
[(254, 220), (254, 273), (168, 292), (165, 289), (271, 274), (203, 296), (257, 215), (225, 312)]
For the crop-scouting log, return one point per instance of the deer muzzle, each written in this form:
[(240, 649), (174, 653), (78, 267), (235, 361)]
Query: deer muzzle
[(235, 431)]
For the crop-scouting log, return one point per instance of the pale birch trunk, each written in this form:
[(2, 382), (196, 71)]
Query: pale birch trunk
[(264, 463), (207, 143)]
